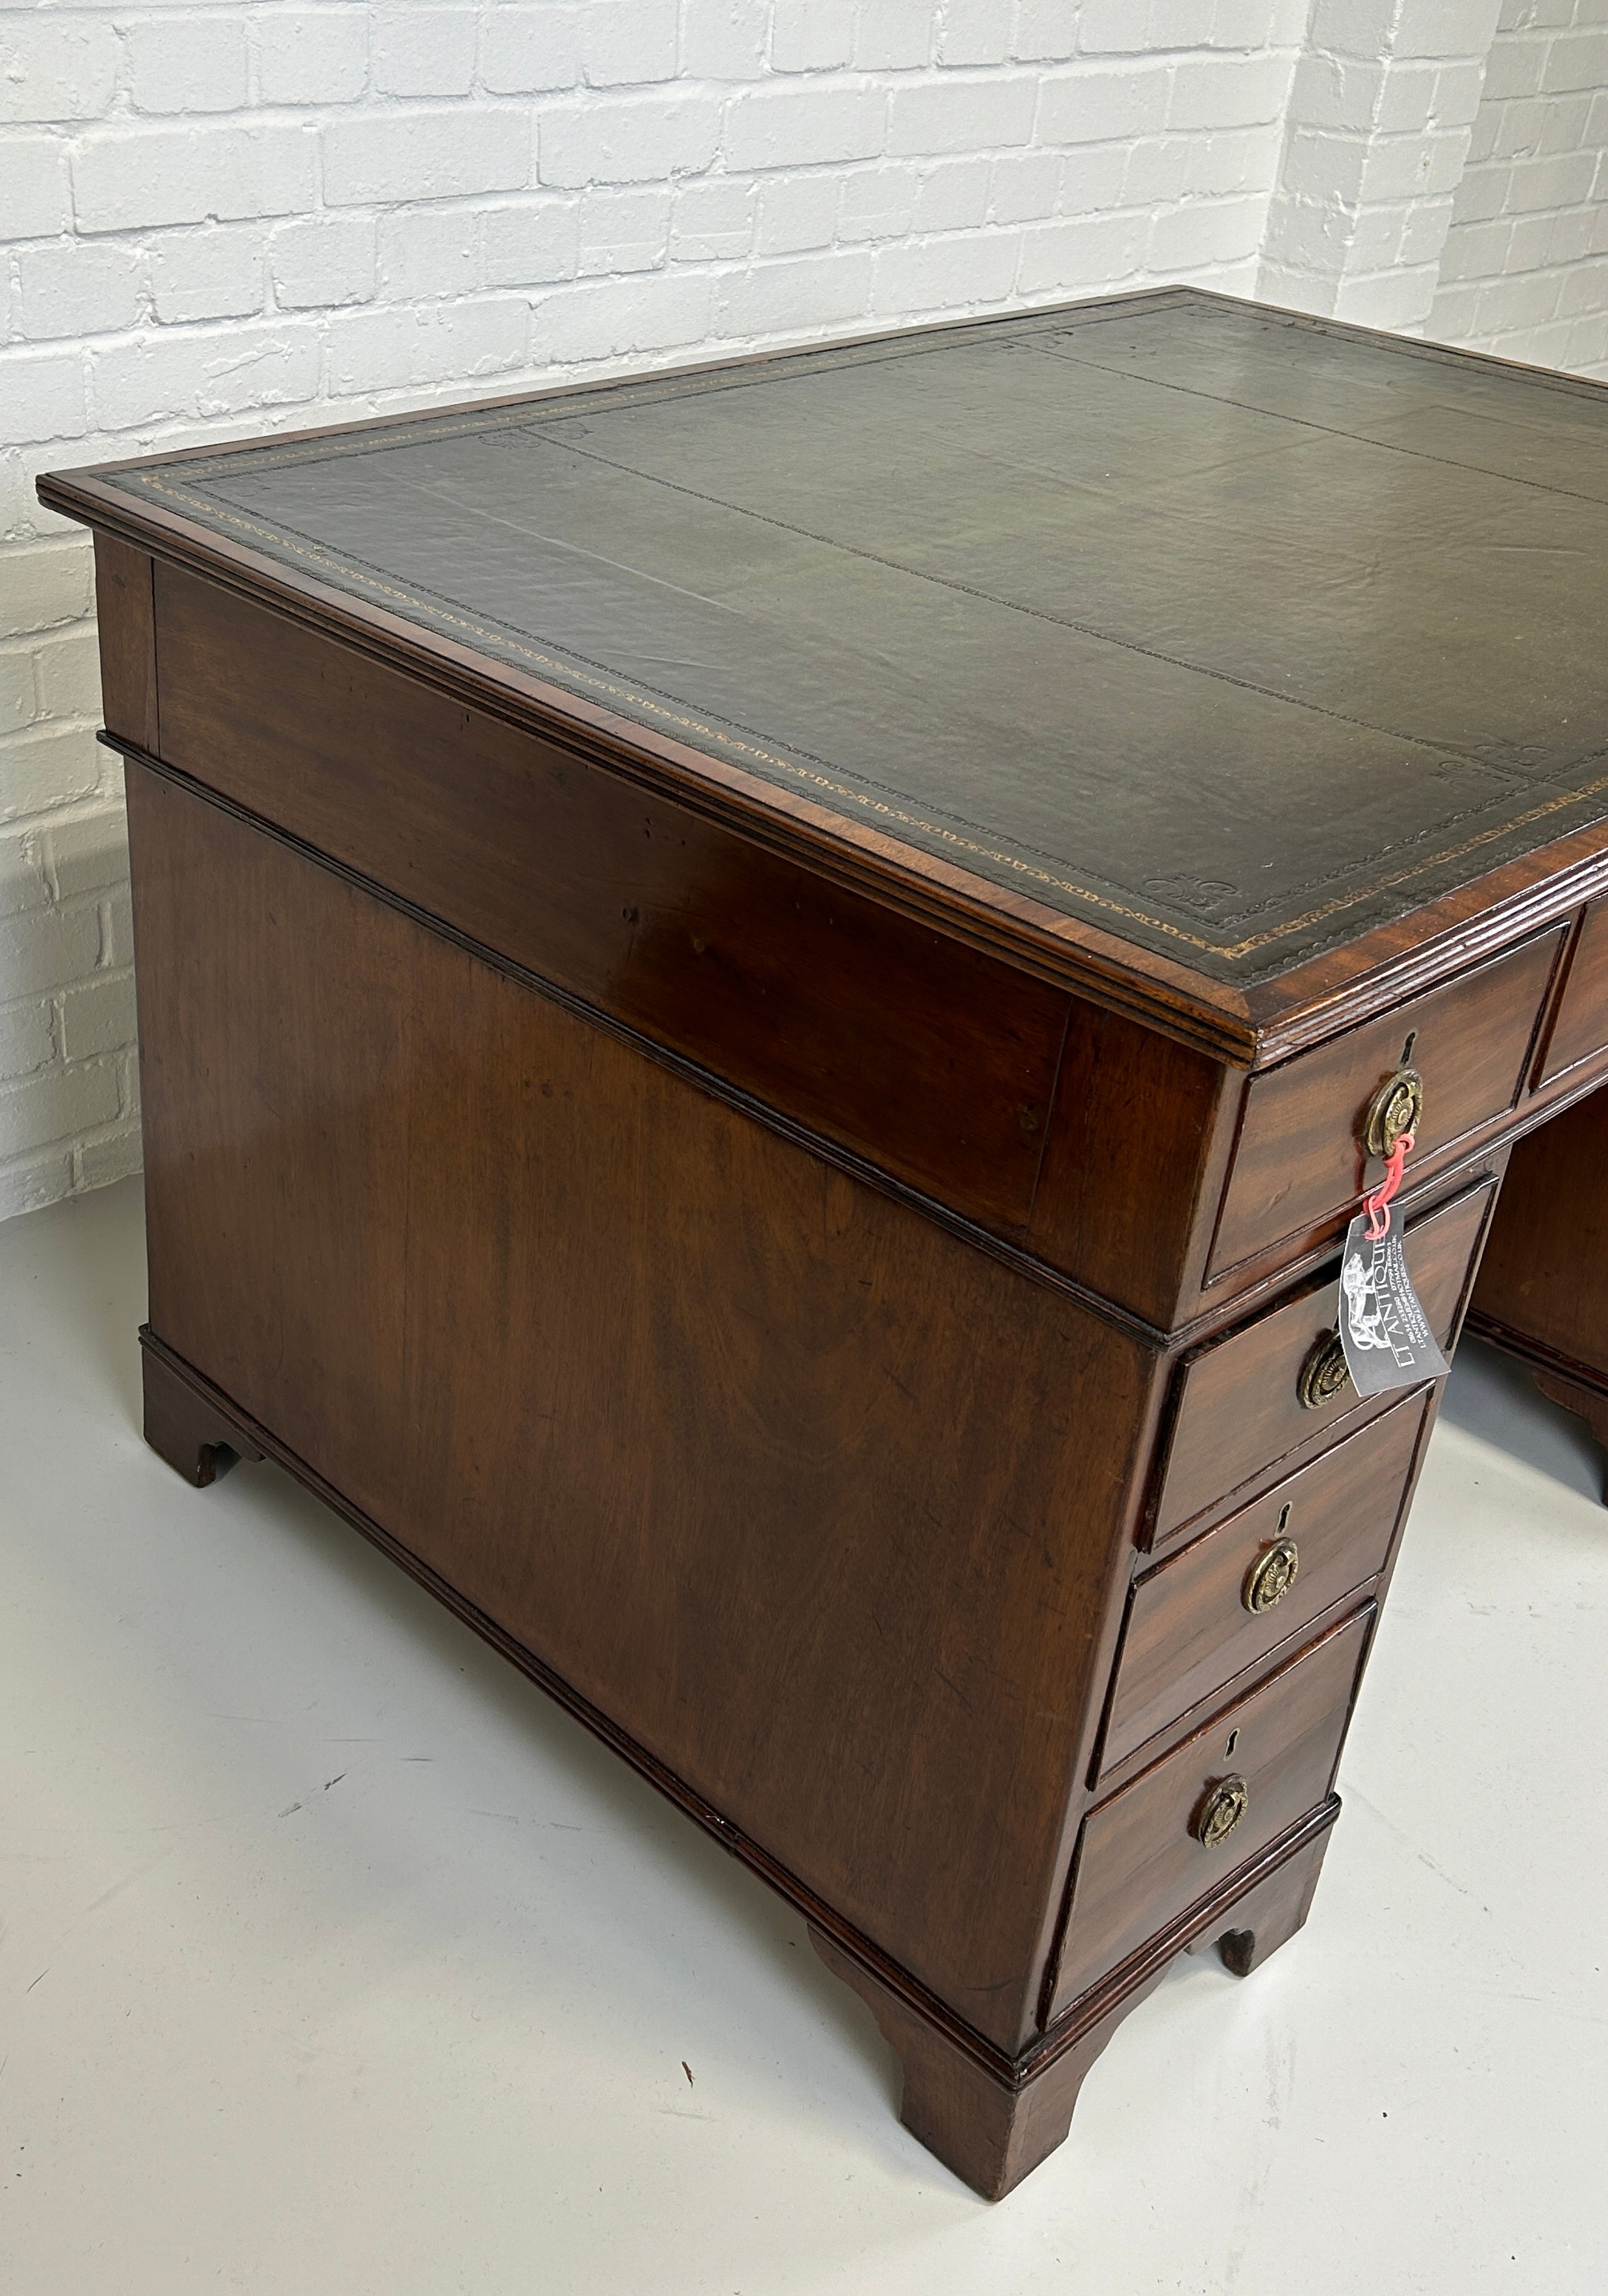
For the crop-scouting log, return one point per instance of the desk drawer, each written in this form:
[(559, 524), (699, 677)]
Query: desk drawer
[(1142, 1859), (932, 1059), (1204, 1617), (1581, 1026), (1301, 1156), (1239, 1408)]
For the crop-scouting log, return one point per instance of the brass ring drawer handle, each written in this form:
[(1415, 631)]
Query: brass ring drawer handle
[(1397, 1107), (1271, 1576), (1221, 1810), (1325, 1374)]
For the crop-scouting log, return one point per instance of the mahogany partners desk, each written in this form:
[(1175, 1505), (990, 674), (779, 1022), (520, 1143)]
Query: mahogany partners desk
[(764, 995)]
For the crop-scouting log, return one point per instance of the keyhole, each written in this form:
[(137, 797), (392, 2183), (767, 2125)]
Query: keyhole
[(1406, 1049), (1284, 1514), (1233, 1741)]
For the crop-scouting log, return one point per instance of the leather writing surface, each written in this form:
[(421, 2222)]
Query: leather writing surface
[(1227, 634)]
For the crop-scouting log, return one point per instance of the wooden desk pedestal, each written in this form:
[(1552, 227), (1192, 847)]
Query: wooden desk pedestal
[(693, 1095)]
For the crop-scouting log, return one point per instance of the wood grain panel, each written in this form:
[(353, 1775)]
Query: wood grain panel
[(1300, 1155), (1238, 1408), (821, 1505), (275, 1078), (1543, 1276), (124, 615), (1140, 1866), (1189, 1634), (930, 1058)]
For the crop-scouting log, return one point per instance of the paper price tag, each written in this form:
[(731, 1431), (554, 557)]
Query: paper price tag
[(1384, 1332)]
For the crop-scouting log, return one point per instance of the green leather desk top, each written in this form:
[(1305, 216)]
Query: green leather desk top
[(1227, 634)]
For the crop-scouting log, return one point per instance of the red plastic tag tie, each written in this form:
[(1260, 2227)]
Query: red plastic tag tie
[(1377, 1206)]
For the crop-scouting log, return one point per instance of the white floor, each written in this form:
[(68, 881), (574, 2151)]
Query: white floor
[(334, 1959)]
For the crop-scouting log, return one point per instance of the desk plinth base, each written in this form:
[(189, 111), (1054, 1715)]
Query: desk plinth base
[(988, 2118), (184, 1426), (993, 2122)]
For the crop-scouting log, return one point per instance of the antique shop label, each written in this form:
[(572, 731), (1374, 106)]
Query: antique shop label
[(1384, 1332)]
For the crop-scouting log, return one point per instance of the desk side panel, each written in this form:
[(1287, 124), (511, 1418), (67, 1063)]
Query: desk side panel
[(820, 1505), (1542, 1280)]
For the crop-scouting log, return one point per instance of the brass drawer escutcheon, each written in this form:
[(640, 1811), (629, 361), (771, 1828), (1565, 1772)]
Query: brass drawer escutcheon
[(1397, 1107), (1325, 1374), (1271, 1576), (1221, 1812)]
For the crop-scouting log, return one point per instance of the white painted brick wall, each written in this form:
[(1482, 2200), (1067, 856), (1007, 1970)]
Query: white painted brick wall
[(1525, 270), (225, 220), (1381, 114)]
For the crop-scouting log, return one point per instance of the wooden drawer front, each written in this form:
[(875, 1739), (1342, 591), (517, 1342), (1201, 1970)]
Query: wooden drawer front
[(1190, 1630), (1581, 1026), (934, 1060), (1239, 1409), (1140, 1863), (1300, 1158), (125, 616)]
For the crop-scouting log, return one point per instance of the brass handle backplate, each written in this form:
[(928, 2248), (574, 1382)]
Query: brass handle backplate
[(1325, 1374), (1397, 1107), (1271, 1576), (1220, 1811)]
